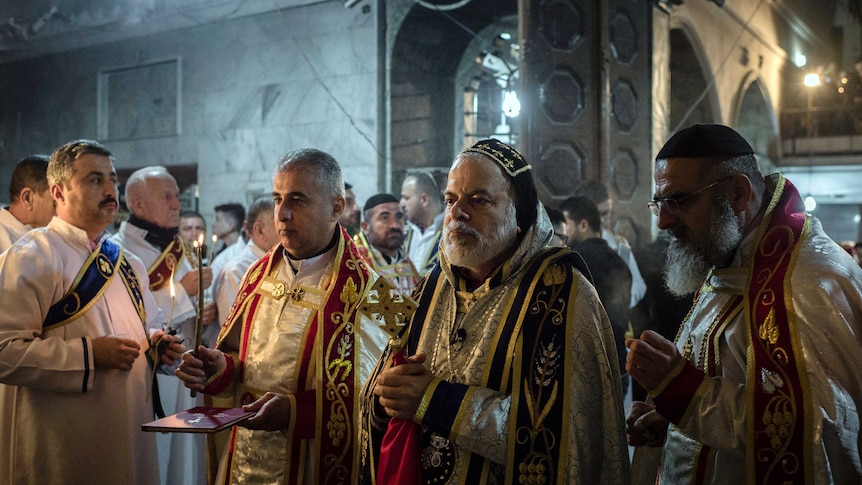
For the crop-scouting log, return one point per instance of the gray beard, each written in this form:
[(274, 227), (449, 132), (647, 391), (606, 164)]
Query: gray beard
[(687, 266), (485, 248)]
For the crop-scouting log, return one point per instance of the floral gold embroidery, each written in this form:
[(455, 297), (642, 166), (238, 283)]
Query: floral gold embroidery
[(255, 274), (349, 294), (768, 330), (336, 425), (343, 361), (554, 275)]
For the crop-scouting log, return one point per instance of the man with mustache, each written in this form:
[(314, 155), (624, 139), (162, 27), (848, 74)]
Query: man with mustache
[(381, 239), (299, 340), (513, 375), (75, 315), (151, 233), (763, 383)]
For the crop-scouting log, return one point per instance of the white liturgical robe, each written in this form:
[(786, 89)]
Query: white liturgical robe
[(62, 419)]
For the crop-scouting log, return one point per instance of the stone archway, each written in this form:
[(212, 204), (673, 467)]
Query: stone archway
[(426, 51), (756, 121), (691, 96)]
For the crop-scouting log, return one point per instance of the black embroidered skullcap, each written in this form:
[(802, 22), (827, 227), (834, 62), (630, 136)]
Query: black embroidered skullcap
[(705, 141), (378, 199), (514, 165), (511, 160)]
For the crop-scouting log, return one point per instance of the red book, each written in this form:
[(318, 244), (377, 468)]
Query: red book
[(199, 420)]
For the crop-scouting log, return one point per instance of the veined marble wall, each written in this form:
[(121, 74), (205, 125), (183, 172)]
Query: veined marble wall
[(246, 91)]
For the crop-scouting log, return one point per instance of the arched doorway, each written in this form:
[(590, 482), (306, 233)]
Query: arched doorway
[(756, 122), (427, 52), (691, 95)]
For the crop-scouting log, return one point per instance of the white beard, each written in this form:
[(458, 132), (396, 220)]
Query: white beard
[(687, 265), (484, 249)]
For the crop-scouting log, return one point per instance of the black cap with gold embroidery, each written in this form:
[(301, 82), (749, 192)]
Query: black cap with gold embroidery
[(705, 141), (505, 156), (514, 165)]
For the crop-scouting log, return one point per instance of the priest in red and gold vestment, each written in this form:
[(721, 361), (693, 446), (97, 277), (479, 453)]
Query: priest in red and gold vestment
[(763, 384), (298, 343)]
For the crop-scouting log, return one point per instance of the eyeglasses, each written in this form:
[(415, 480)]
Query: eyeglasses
[(672, 204)]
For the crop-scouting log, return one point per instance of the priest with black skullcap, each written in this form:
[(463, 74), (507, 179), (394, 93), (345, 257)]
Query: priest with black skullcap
[(763, 383), (381, 241), (512, 374)]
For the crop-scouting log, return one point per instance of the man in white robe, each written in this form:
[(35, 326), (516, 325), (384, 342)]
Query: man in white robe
[(763, 383), (150, 233), (262, 237), (30, 202), (422, 203), (76, 375)]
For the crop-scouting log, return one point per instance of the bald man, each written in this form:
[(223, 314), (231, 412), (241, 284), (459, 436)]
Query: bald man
[(150, 233)]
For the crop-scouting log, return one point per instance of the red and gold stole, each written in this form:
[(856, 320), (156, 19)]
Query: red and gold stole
[(330, 358), (162, 269), (778, 420)]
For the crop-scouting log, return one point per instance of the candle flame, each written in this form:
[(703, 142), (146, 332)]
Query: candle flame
[(201, 240), (173, 291)]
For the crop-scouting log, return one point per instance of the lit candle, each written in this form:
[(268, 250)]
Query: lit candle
[(173, 296), (210, 253), (199, 319)]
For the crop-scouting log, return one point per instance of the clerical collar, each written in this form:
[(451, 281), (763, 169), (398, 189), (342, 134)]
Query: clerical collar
[(296, 263), (158, 236)]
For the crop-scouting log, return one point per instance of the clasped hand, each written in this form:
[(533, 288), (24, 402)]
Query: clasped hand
[(400, 388)]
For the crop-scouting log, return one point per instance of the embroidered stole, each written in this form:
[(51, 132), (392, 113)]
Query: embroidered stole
[(779, 426), (402, 275), (710, 360), (330, 357), (528, 349), (163, 268), (90, 284)]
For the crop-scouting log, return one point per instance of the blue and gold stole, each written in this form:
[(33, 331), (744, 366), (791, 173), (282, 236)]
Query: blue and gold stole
[(91, 283)]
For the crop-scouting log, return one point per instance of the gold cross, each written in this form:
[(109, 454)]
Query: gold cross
[(296, 294), (388, 306)]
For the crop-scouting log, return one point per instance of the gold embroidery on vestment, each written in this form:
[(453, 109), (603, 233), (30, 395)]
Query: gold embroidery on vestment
[(768, 330)]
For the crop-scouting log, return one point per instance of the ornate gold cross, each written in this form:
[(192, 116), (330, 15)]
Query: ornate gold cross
[(389, 308)]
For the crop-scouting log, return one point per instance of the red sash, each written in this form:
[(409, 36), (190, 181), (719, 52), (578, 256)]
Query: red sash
[(780, 430), (162, 269)]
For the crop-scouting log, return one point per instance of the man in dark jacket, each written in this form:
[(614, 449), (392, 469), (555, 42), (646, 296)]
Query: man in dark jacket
[(611, 275)]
